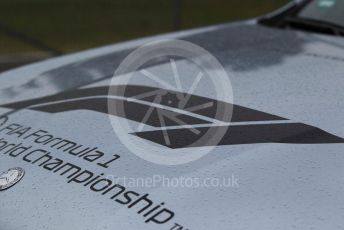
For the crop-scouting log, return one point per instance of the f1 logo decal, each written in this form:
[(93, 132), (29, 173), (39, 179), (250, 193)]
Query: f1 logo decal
[(247, 126)]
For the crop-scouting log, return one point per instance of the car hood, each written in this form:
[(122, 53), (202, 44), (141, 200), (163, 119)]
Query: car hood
[(285, 167)]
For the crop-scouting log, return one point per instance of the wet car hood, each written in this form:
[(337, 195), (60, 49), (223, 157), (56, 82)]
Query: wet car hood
[(282, 182)]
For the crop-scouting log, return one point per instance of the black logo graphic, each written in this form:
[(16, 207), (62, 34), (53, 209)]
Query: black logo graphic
[(247, 126)]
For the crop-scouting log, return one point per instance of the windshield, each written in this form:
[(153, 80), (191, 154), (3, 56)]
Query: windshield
[(331, 11)]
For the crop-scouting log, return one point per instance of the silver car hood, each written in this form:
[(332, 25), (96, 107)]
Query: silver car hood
[(283, 75)]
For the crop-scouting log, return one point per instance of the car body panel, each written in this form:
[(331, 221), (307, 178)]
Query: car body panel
[(293, 75)]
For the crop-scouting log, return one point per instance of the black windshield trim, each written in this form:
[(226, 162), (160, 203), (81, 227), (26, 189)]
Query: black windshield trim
[(276, 19), (288, 19)]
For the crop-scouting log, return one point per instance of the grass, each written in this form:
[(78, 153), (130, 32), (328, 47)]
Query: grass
[(71, 25)]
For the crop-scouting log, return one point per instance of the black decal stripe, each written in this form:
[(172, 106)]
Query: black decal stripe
[(240, 113), (292, 133), (78, 93), (296, 133), (133, 111)]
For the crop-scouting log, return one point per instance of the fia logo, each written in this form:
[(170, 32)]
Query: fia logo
[(11, 177)]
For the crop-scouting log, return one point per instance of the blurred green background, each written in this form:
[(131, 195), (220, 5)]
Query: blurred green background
[(36, 29)]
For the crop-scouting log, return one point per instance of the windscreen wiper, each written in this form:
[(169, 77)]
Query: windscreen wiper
[(314, 25)]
